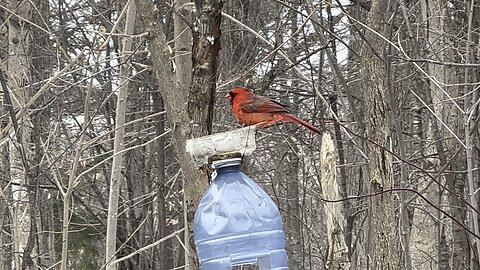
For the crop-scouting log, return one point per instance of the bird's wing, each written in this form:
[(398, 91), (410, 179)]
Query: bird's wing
[(260, 104)]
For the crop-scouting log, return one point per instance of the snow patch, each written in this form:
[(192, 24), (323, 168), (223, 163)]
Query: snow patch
[(211, 39)]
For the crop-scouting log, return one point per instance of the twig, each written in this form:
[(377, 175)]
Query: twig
[(409, 190), (411, 164), (148, 246)]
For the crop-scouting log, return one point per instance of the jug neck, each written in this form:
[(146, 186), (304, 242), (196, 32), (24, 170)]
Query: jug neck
[(227, 165)]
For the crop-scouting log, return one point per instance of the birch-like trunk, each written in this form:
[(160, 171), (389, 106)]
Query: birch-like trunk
[(18, 73), (118, 143), (337, 255)]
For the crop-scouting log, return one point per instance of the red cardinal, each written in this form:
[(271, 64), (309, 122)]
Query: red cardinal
[(251, 109)]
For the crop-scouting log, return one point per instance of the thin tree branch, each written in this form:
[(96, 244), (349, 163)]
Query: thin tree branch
[(409, 190), (148, 246), (413, 165)]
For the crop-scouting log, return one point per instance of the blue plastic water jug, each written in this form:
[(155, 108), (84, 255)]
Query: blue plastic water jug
[(237, 223)]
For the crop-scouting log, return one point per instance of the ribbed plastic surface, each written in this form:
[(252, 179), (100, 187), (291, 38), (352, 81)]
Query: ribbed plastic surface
[(237, 223)]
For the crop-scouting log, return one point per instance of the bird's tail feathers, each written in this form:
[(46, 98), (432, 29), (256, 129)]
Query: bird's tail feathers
[(294, 119)]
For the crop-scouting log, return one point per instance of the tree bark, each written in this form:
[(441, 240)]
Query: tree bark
[(165, 249), (118, 143), (19, 32), (381, 209), (290, 186), (183, 62), (337, 256), (43, 63), (442, 37), (201, 98), (5, 213), (206, 46), (190, 114)]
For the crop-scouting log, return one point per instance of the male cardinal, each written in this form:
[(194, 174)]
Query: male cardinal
[(251, 109)]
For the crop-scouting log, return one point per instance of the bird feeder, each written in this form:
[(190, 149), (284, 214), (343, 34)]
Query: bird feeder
[(236, 222)]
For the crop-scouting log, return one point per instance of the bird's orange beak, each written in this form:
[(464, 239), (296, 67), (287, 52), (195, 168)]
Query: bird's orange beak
[(228, 96)]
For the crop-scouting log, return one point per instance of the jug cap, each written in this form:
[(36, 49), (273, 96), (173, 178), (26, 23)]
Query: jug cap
[(217, 164)]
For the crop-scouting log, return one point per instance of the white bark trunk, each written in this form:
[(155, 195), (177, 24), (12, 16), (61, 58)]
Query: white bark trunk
[(18, 46), (118, 144), (337, 256)]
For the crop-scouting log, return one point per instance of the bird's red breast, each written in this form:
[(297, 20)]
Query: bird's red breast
[(251, 109)]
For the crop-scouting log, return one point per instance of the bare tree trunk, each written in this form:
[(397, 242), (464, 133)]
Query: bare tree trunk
[(356, 237), (165, 250), (432, 12), (460, 249), (441, 38), (189, 115), (381, 209), (118, 143), (67, 195), (183, 44), (337, 256), (470, 114), (43, 63), (183, 61), (291, 183), (206, 47), (6, 250), (19, 75), (404, 229)]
